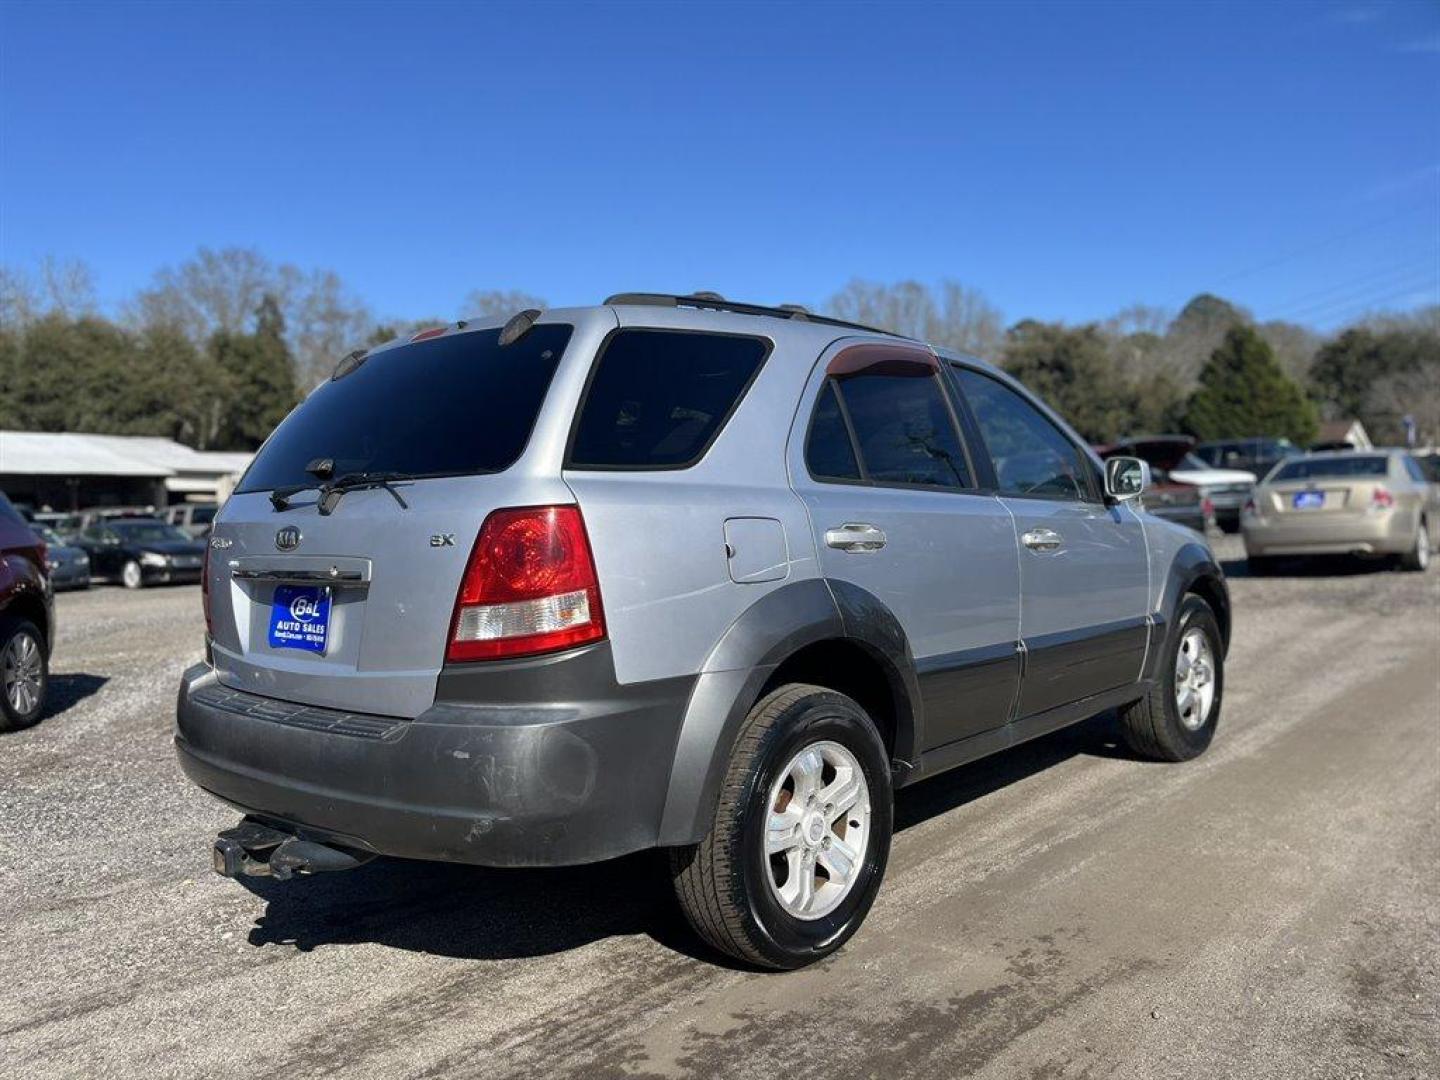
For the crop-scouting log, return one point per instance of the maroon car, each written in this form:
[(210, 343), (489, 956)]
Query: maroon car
[(27, 621)]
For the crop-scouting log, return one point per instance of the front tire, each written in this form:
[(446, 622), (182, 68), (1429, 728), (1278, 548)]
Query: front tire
[(1176, 720), (800, 837), (24, 674), (131, 576)]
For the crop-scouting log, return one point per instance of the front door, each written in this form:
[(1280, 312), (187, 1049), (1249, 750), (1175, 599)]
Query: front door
[(893, 503), (1084, 571)]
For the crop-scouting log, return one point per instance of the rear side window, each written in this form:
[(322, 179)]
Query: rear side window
[(829, 454), (451, 405), (1331, 468), (1032, 457), (658, 398), (904, 430)]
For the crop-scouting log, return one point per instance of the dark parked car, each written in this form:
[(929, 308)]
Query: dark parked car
[(69, 565), (1258, 455), (27, 620), (141, 551)]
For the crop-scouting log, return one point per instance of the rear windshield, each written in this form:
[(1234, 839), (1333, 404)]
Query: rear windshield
[(1334, 468), (451, 405), (658, 398)]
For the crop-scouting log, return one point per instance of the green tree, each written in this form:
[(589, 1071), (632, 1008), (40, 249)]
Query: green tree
[(1379, 376), (255, 378), (1074, 371), (1243, 391)]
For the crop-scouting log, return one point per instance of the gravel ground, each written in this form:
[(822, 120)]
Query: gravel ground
[(1063, 910)]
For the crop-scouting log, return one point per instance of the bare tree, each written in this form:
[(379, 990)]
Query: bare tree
[(498, 303), (63, 287), (958, 317), (220, 291)]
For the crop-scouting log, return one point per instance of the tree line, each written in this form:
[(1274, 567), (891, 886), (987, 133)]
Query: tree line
[(218, 349)]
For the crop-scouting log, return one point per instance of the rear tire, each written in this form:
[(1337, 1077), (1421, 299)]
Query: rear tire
[(1417, 559), (1156, 726), (24, 673), (131, 576), (751, 905)]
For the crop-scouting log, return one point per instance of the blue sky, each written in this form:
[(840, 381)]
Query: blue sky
[(1067, 159)]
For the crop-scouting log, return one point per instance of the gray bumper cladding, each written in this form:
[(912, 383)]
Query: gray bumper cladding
[(541, 762)]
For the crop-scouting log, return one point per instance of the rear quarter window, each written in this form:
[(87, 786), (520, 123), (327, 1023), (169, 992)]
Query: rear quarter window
[(657, 399)]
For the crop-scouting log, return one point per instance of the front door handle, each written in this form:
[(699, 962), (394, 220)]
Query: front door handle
[(1042, 539), (855, 536)]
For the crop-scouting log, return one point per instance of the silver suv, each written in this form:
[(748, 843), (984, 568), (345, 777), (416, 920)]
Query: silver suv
[(673, 572)]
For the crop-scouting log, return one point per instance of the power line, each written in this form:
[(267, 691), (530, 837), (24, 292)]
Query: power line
[(1305, 300)]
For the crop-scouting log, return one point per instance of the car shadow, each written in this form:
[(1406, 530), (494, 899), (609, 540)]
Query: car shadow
[(478, 913), (1314, 566), (68, 690)]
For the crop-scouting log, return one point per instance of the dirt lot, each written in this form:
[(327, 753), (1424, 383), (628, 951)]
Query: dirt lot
[(1272, 910)]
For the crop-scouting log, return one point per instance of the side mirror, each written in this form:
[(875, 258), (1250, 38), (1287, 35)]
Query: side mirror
[(1126, 478)]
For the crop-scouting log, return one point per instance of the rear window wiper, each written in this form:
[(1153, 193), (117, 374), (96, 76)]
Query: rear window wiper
[(331, 491)]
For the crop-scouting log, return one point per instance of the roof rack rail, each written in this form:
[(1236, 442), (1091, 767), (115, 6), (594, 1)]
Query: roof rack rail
[(715, 302)]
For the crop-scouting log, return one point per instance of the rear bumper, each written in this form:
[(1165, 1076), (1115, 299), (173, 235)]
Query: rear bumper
[(560, 766), (1386, 533)]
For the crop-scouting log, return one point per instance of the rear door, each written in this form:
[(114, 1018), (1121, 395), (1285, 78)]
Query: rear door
[(898, 510), (1084, 571)]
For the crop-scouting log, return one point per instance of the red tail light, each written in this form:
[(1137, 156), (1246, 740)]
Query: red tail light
[(1381, 499), (205, 590), (1207, 507), (530, 587), (1249, 507)]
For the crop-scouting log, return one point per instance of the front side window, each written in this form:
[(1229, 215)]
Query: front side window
[(658, 398), (904, 430), (1032, 457)]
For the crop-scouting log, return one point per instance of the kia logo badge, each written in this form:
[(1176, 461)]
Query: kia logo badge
[(288, 538)]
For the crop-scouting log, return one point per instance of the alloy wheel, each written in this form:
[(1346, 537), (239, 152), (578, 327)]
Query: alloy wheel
[(817, 830), (1194, 679), (22, 672)]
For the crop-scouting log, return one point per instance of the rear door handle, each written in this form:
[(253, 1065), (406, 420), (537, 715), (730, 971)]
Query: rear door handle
[(855, 536), (1042, 539)]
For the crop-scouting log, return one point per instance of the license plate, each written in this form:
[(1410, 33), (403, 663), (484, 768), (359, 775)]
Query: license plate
[(300, 618), (1308, 500)]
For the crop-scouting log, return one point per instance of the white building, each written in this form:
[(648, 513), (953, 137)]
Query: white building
[(75, 470)]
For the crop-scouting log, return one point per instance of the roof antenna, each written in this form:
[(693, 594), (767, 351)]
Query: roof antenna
[(518, 326)]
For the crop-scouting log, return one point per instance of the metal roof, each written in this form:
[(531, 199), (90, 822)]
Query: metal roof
[(49, 453)]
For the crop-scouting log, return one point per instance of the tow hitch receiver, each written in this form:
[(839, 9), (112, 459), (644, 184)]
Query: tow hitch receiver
[(254, 849)]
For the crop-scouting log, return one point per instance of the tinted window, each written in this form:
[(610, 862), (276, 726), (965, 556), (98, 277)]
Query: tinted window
[(1413, 468), (904, 430), (1332, 468), (450, 405), (828, 452), (1030, 454), (202, 515), (658, 398)]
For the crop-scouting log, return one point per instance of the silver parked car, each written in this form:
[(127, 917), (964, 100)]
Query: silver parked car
[(673, 572), (1343, 503)]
